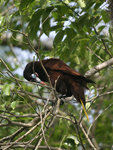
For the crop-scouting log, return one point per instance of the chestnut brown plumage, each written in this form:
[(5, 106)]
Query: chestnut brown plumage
[(69, 81)]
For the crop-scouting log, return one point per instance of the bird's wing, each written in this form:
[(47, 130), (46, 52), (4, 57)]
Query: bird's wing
[(59, 65)]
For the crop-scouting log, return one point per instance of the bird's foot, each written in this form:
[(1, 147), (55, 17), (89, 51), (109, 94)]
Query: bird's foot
[(61, 102)]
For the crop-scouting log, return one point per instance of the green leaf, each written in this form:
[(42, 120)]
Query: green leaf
[(90, 23), (58, 38), (111, 34), (13, 104), (75, 48), (105, 16), (36, 17), (70, 35), (101, 28), (6, 2), (89, 4), (4, 104), (97, 5), (81, 3), (2, 21), (97, 20), (55, 28), (25, 3), (78, 27), (88, 104), (81, 21), (42, 2), (77, 60), (65, 53), (6, 89), (46, 14), (55, 15), (46, 26), (46, 20), (2, 30), (93, 39), (62, 10), (74, 138), (34, 23)]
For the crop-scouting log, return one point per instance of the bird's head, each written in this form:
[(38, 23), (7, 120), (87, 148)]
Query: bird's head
[(30, 76), (34, 77)]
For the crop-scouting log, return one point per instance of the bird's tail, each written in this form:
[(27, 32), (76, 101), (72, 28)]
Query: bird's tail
[(78, 92), (89, 81), (83, 79)]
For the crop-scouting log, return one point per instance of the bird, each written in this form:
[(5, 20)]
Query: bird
[(66, 80)]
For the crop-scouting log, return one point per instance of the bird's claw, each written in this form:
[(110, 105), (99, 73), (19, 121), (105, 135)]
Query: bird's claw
[(61, 102)]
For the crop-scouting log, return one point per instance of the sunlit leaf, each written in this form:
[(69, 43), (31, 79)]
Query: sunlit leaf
[(6, 89), (81, 3), (73, 138), (13, 104)]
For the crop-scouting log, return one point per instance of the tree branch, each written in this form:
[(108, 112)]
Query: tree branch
[(99, 67)]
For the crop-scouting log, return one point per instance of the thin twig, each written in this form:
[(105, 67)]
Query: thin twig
[(106, 49), (95, 54), (4, 12), (86, 135), (99, 67)]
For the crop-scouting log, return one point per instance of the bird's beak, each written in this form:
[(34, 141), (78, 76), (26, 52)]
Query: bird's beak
[(43, 83), (39, 81), (35, 78)]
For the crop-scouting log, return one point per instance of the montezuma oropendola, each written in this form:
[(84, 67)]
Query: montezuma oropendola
[(69, 81)]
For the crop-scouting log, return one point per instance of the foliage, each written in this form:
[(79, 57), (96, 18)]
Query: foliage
[(83, 39)]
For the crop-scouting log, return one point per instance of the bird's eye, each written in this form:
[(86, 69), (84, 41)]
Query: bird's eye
[(33, 75)]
